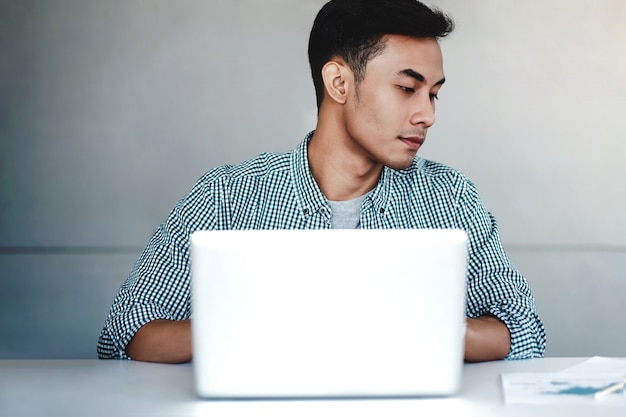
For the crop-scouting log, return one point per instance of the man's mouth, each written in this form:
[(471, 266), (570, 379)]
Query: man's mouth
[(413, 142)]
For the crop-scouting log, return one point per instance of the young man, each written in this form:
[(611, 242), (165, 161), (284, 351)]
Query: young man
[(377, 69)]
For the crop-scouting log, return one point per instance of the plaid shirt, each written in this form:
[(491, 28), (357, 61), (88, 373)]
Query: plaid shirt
[(277, 191)]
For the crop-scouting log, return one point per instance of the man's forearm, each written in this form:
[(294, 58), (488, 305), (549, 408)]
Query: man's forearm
[(486, 339), (163, 341)]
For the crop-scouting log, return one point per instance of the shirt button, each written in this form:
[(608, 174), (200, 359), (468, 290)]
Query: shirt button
[(323, 210), (305, 211), (382, 210)]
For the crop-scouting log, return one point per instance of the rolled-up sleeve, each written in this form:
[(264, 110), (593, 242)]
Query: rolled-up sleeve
[(159, 285), (495, 286)]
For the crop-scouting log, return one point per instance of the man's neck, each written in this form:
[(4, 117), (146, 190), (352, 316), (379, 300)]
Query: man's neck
[(340, 173)]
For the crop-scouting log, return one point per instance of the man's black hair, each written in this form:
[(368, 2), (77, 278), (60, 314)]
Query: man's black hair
[(354, 30)]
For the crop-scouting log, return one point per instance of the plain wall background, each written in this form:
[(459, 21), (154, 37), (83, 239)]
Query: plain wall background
[(110, 110)]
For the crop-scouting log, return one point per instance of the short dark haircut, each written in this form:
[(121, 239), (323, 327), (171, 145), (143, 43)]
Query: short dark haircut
[(354, 30)]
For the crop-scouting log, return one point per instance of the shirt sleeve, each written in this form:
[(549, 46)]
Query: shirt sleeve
[(494, 285), (158, 286)]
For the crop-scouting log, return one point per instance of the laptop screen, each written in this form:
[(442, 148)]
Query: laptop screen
[(328, 313)]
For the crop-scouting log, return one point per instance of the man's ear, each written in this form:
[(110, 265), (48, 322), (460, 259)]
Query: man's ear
[(336, 76)]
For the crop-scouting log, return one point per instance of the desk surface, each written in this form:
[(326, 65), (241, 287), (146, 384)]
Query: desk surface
[(125, 388)]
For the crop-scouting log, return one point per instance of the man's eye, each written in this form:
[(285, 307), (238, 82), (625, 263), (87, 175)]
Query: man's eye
[(406, 89), (434, 97)]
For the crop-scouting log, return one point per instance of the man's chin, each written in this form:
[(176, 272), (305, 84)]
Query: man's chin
[(402, 160)]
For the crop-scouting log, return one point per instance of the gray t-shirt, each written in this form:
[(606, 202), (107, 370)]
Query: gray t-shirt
[(346, 214)]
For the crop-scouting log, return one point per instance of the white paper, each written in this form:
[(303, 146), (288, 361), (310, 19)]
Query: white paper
[(574, 385)]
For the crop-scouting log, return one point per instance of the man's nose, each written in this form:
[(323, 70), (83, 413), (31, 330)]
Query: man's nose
[(424, 111)]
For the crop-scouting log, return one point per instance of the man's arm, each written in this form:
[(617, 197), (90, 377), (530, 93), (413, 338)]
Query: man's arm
[(165, 341), (495, 288), (486, 339)]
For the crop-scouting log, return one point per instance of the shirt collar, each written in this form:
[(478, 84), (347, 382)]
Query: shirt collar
[(310, 197), (380, 193)]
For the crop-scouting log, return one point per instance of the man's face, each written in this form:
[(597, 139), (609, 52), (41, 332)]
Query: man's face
[(389, 113)]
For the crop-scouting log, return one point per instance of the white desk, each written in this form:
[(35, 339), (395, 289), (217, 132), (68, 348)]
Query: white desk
[(125, 388)]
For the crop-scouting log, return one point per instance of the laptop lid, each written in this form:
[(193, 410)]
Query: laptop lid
[(328, 313)]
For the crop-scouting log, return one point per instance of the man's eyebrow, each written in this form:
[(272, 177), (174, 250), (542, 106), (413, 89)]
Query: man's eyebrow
[(419, 77)]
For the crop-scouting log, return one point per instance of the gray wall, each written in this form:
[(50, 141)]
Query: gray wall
[(110, 110)]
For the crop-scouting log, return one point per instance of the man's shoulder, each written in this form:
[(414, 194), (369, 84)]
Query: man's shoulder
[(431, 179)]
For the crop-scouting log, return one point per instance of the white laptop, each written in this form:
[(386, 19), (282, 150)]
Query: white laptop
[(328, 313)]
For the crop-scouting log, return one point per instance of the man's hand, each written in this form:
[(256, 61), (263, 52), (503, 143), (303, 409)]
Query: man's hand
[(486, 339), (163, 341)]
